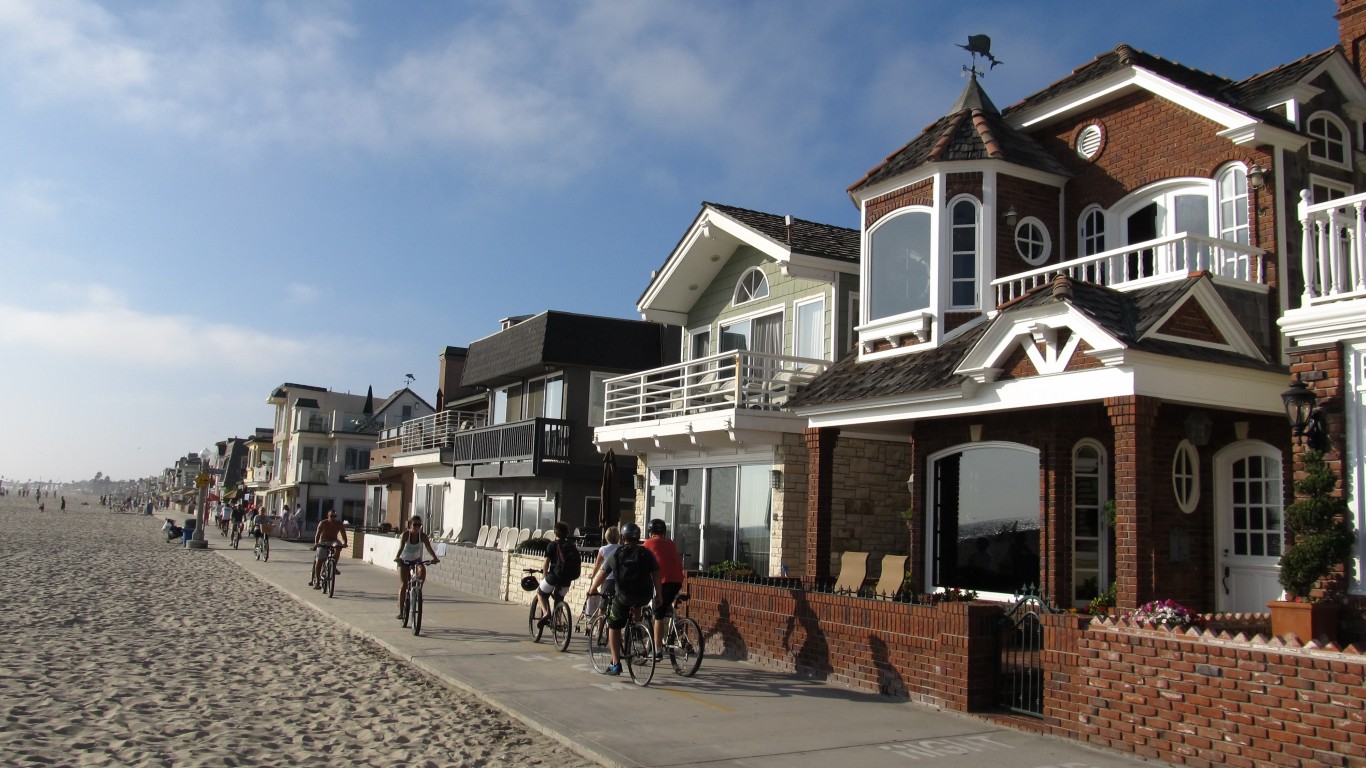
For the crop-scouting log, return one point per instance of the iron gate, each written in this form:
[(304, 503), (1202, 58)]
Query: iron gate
[(1019, 647)]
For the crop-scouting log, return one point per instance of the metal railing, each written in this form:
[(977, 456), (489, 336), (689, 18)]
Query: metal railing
[(436, 430), (1179, 254), (1333, 252), (534, 440), (724, 381)]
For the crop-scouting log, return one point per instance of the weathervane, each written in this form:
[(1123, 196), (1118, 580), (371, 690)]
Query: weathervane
[(979, 45)]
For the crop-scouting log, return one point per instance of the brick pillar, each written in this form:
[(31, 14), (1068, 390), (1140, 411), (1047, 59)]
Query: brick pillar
[(820, 446), (1136, 485)]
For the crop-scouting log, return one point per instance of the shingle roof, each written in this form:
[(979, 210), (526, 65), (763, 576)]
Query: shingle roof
[(1124, 315), (1267, 83), (807, 237), (973, 130)]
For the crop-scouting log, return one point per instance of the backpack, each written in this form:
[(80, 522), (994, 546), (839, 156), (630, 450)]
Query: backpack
[(631, 566), (568, 565)]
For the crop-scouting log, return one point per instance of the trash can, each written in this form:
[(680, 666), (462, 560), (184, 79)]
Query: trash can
[(189, 525), (357, 543)]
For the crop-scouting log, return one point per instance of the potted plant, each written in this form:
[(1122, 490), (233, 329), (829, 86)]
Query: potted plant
[(1321, 539), (1104, 603)]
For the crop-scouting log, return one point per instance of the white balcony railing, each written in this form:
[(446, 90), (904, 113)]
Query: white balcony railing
[(436, 430), (313, 472), (1149, 261), (719, 382), (260, 474), (1333, 254)]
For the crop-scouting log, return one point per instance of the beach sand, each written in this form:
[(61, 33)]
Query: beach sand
[(120, 649)]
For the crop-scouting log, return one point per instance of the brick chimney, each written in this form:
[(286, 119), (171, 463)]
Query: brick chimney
[(1351, 18)]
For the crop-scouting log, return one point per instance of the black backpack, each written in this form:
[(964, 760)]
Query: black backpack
[(568, 565), (631, 566)]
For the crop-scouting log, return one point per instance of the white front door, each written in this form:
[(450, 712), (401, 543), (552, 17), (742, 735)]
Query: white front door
[(1250, 529)]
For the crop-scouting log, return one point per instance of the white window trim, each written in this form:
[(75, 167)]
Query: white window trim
[(1103, 500), (735, 299), (1047, 241), (866, 271), (1243, 194), (1346, 139), (947, 279), (688, 340), (1354, 483), (1081, 229), (1187, 448), (1315, 180), (796, 326)]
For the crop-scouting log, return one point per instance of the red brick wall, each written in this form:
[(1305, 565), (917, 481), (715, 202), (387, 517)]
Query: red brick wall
[(1029, 198), (921, 193), (1191, 321)]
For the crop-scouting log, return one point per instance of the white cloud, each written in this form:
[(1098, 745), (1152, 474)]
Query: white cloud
[(31, 200)]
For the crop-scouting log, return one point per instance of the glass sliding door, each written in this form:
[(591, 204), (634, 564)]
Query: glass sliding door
[(719, 539), (754, 514)]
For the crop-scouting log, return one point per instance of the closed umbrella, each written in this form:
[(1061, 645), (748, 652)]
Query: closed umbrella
[(609, 510), (369, 408)]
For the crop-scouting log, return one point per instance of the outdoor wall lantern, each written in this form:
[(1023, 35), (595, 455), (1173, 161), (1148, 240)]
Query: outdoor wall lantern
[(639, 481), (1306, 421), (1198, 426), (776, 479), (910, 484), (1256, 177), (1012, 217)]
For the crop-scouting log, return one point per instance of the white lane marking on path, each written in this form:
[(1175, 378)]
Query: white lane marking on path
[(934, 748)]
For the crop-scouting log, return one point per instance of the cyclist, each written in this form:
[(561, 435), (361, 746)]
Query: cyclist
[(258, 524), (637, 576), (670, 575), (330, 533), (410, 545), (609, 586), (224, 513), (562, 566), (238, 513)]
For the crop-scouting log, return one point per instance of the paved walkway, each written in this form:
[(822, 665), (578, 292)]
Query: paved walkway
[(731, 713)]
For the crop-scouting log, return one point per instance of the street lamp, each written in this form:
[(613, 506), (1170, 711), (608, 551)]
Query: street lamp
[(197, 541)]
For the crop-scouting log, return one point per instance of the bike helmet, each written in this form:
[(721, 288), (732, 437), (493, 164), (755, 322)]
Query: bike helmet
[(529, 583), (658, 526), (630, 532)]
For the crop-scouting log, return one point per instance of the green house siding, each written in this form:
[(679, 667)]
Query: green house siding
[(714, 306)]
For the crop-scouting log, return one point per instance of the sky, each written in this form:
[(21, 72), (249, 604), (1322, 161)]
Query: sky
[(203, 199)]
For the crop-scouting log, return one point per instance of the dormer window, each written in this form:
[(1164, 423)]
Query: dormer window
[(1327, 139), (898, 277), (753, 285)]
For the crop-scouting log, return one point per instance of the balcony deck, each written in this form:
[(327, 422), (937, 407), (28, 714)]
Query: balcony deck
[(721, 382), (519, 448), (1146, 263), (431, 432)]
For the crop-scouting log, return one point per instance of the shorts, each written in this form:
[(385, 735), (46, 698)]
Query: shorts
[(547, 588), (619, 611), (668, 592), (323, 546)]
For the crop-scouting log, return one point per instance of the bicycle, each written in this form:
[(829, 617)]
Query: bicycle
[(682, 639), (236, 536), (561, 617), (411, 610), (637, 645), (327, 575), (262, 548)]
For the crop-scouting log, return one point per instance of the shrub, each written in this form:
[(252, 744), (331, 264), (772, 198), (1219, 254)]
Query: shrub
[(1320, 529)]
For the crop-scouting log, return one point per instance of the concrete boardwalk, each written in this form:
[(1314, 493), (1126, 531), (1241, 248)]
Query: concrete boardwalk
[(731, 713)]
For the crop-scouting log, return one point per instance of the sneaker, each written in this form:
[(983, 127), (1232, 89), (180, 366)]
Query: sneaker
[(612, 669), (317, 586), (542, 622), (400, 616), (659, 655), (310, 582)]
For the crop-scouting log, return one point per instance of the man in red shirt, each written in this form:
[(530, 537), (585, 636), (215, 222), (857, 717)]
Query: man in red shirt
[(670, 574)]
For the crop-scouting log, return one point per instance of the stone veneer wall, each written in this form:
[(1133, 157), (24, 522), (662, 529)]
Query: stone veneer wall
[(788, 537), (868, 495)]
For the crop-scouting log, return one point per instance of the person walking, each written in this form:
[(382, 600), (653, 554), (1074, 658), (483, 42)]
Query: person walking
[(670, 575), (63, 507)]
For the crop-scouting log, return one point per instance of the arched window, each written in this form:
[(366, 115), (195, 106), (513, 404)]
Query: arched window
[(753, 285), (1090, 525), (1091, 232), (984, 515), (1231, 187), (963, 280), (1327, 138), (899, 268)]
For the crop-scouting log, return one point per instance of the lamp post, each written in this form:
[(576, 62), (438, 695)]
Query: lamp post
[(197, 541)]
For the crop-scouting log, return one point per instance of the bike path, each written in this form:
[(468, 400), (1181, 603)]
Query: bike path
[(731, 713)]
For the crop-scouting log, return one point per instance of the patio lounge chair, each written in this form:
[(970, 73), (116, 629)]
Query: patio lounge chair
[(853, 570), (893, 574)]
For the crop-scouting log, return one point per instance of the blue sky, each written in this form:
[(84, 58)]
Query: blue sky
[(200, 200)]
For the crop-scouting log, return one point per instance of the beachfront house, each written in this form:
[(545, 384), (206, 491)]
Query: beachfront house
[(259, 466), (766, 302)]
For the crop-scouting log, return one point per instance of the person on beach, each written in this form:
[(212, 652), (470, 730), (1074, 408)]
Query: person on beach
[(410, 545), (63, 503), (331, 532), (562, 566)]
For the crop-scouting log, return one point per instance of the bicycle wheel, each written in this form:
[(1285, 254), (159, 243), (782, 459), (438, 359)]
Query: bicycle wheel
[(329, 576), (415, 607), (685, 647), (562, 625), (599, 651), (256, 549), (533, 623), (265, 552), (638, 653)]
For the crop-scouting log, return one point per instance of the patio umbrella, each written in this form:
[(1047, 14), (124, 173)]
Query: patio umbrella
[(369, 409), (608, 510), (440, 399)]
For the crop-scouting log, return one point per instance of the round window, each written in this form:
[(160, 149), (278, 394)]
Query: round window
[(1186, 476), (1032, 241)]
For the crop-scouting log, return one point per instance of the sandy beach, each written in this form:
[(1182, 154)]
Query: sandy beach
[(123, 650)]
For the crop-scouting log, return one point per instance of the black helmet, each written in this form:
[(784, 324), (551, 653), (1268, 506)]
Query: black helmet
[(529, 583), (630, 532), (658, 526)]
